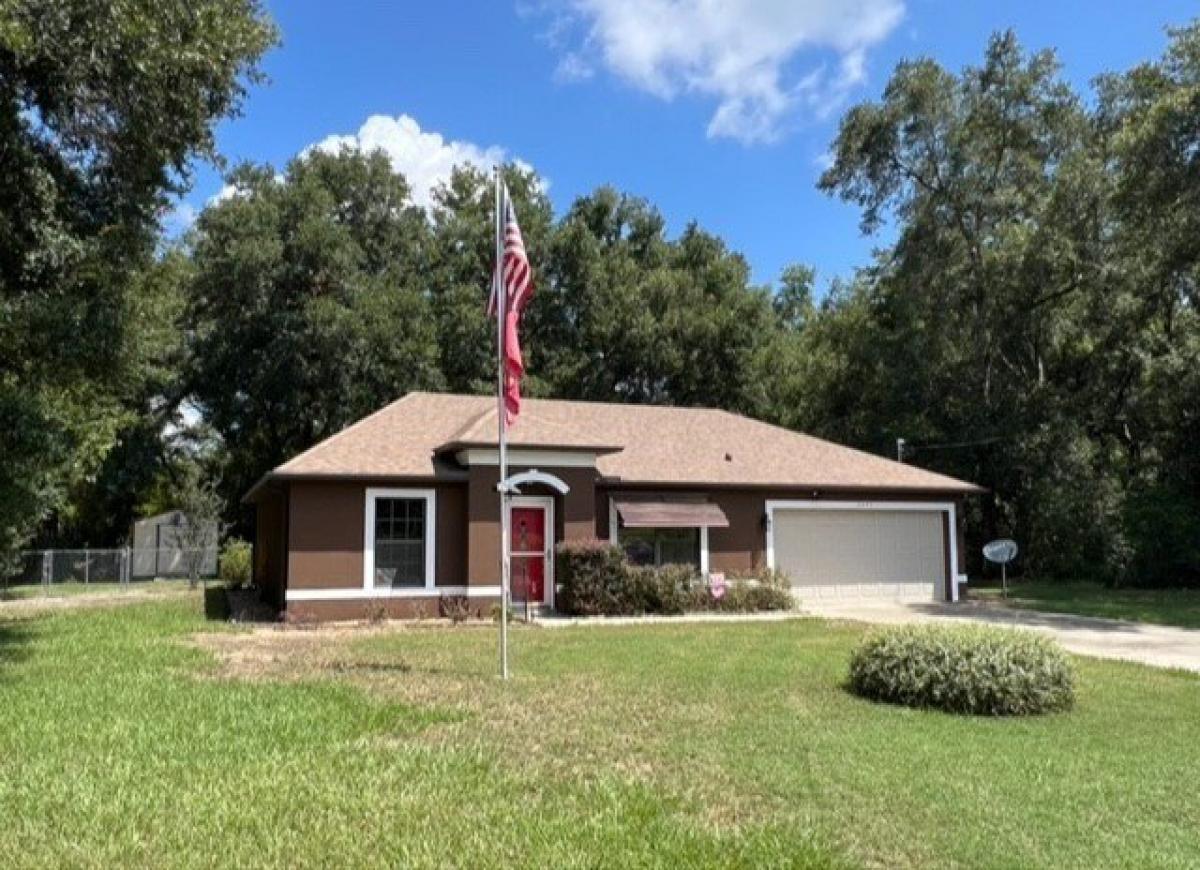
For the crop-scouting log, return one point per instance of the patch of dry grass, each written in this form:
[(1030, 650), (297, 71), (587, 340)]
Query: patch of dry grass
[(78, 596), (562, 723)]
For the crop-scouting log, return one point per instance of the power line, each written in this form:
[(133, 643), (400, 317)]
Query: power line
[(904, 448), (950, 445)]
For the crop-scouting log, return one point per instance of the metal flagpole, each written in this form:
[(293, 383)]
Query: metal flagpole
[(502, 435)]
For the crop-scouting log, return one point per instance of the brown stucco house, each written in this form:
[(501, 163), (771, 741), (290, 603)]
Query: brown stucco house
[(400, 510)]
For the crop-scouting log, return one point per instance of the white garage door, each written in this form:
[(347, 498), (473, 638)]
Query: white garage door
[(898, 553)]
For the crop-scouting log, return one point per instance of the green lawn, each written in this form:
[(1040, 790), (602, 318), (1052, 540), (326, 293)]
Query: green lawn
[(1179, 607), (127, 741)]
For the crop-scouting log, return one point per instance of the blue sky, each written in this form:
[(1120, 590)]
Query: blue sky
[(718, 112)]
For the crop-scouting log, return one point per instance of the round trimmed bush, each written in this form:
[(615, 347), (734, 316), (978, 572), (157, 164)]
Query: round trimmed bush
[(979, 670), (236, 564)]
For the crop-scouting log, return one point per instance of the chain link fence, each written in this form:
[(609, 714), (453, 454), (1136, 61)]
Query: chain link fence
[(124, 565)]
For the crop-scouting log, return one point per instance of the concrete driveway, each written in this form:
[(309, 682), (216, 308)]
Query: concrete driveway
[(1157, 645)]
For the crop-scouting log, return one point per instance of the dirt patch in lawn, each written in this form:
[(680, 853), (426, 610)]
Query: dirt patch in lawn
[(571, 724)]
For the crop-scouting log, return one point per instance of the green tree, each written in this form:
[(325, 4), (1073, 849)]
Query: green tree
[(994, 316), (1152, 116), (153, 439), (103, 109), (1037, 307), (793, 300), (199, 534), (462, 251), (638, 317), (309, 306)]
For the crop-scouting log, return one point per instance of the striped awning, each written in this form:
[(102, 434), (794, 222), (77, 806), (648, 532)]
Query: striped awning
[(671, 514)]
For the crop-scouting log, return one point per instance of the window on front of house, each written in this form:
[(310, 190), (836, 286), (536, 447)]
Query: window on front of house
[(400, 541), (660, 547)]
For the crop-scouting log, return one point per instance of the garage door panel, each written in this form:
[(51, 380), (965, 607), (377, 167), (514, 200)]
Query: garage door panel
[(860, 548)]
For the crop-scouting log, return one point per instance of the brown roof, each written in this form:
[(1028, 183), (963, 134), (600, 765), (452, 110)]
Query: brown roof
[(415, 437)]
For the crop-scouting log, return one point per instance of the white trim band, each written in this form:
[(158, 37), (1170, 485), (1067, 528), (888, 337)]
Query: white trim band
[(526, 456), (356, 594)]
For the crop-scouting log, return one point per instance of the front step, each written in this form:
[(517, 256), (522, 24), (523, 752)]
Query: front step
[(532, 610)]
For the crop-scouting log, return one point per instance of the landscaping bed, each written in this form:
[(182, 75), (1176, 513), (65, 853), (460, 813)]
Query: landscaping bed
[(595, 579)]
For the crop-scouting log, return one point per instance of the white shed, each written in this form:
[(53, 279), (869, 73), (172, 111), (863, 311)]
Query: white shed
[(157, 550)]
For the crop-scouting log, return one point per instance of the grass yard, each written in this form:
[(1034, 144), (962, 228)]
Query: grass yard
[(143, 735), (72, 588), (1180, 607)]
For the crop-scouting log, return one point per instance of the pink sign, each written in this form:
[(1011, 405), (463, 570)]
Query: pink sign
[(716, 585)]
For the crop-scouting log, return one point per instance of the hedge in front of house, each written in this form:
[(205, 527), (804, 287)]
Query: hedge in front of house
[(594, 579), (761, 591), (665, 590), (980, 670)]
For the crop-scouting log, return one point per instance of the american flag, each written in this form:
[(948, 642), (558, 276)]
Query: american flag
[(515, 274), (515, 278)]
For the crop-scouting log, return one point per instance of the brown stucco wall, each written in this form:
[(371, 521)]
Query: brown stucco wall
[(574, 515), (451, 567), (387, 608), (270, 545), (741, 547), (323, 524), (325, 534)]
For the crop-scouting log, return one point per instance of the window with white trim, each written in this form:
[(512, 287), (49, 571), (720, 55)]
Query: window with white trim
[(399, 539)]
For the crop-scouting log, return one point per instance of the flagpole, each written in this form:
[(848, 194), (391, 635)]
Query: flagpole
[(502, 434)]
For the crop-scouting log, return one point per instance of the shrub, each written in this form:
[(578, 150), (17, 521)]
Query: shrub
[(761, 591), (659, 590), (235, 563), (591, 577), (456, 608), (595, 580), (979, 670)]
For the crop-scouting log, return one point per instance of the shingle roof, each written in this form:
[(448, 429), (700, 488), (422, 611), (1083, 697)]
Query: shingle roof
[(414, 437)]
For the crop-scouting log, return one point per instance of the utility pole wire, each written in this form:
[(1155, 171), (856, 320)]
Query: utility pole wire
[(908, 448)]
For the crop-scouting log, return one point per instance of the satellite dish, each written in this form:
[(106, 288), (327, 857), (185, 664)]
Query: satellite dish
[(1001, 551)]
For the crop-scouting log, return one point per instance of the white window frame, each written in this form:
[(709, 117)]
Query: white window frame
[(945, 507), (614, 520), (430, 497)]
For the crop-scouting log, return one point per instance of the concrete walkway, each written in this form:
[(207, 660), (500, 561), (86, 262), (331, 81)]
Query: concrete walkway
[(1157, 645), (554, 620)]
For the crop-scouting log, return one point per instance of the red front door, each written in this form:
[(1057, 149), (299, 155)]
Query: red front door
[(529, 552)]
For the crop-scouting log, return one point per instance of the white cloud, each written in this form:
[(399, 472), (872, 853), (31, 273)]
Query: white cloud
[(425, 158), (574, 67), (738, 52), (227, 191), (178, 219)]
